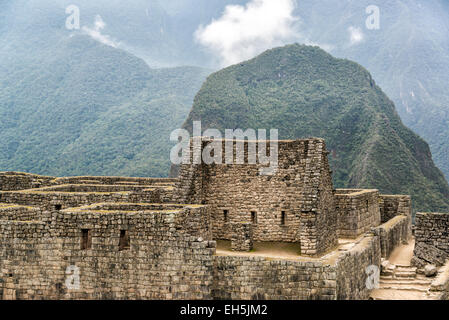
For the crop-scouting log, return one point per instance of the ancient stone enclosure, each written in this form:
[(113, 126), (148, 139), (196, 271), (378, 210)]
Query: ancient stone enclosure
[(218, 231)]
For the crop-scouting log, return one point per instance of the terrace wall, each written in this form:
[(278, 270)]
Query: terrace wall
[(354, 268), (169, 256), (431, 239), (20, 181), (256, 278), (113, 180), (74, 196), (19, 213), (393, 234)]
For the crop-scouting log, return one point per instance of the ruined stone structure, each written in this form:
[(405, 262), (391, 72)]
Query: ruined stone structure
[(295, 204), (358, 211), (432, 239), (219, 231)]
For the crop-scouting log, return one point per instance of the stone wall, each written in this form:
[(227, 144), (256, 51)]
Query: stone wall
[(22, 267), (358, 211), (125, 246), (113, 180), (48, 198), (13, 181), (256, 278), (393, 234), (21, 181), (19, 213), (169, 255), (295, 204), (351, 269), (394, 205), (242, 236), (97, 188), (431, 239), (341, 276)]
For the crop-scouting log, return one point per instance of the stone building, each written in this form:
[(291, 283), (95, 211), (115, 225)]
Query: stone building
[(218, 231), (295, 204)]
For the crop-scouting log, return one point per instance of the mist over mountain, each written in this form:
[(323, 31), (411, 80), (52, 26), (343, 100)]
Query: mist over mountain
[(408, 56), (71, 105), (304, 92), (160, 32)]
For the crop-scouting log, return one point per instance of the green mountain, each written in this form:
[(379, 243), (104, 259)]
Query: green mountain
[(303, 91), (74, 106), (408, 56)]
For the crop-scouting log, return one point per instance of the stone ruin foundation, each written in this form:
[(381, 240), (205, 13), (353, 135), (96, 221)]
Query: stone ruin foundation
[(215, 232)]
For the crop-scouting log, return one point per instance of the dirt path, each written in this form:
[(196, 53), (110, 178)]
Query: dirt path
[(403, 254), (404, 283)]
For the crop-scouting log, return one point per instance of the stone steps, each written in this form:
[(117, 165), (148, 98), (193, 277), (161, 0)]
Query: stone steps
[(401, 282), (405, 287), (393, 294), (415, 281), (405, 274)]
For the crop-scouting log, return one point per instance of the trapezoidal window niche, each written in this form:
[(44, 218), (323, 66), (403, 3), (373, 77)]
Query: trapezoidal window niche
[(86, 239), (124, 240), (254, 217), (283, 218), (226, 215)]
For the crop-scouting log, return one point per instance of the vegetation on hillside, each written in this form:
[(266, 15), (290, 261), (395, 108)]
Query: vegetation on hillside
[(408, 56), (78, 107)]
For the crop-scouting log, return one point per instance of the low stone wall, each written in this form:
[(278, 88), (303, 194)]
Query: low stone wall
[(86, 188), (13, 181), (154, 254), (431, 239), (49, 200), (394, 205), (352, 272), (19, 213), (256, 278), (113, 180), (342, 276), (393, 233), (358, 211), (20, 181)]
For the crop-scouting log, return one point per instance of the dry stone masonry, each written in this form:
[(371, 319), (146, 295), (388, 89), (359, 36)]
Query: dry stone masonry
[(205, 234), (358, 211), (242, 236), (432, 239), (295, 204)]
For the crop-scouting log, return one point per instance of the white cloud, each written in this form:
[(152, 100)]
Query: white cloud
[(356, 35), (96, 34), (242, 32)]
